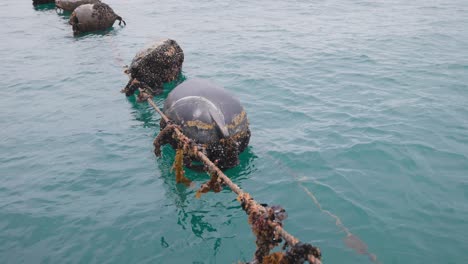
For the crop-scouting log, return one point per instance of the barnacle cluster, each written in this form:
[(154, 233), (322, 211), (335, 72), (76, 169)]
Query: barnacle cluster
[(264, 221), (152, 67)]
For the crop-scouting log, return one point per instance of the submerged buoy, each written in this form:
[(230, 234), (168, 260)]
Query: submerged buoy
[(154, 66), (70, 5), (212, 117), (40, 2), (93, 17)]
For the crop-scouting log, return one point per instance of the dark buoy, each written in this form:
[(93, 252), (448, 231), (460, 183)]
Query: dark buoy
[(154, 66), (40, 2), (93, 17), (210, 116), (70, 5)]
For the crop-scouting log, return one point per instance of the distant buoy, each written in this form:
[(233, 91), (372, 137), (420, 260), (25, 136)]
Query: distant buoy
[(93, 17), (70, 5)]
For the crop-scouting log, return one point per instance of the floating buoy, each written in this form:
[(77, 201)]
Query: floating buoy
[(93, 17), (70, 5), (154, 66), (210, 116)]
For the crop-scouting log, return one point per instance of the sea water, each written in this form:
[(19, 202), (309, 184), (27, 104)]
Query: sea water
[(360, 104)]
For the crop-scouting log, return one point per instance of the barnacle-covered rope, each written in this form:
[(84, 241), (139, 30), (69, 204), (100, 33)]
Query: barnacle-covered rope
[(266, 221)]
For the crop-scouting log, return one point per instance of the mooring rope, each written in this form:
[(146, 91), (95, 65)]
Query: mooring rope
[(351, 240), (266, 221), (255, 210)]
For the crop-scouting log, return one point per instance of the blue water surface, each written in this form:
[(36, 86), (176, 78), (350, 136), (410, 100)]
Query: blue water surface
[(360, 104)]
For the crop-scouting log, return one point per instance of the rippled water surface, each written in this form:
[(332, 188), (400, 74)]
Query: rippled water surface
[(363, 104)]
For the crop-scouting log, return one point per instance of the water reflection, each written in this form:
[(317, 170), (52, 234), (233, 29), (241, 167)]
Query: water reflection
[(112, 31), (63, 14), (144, 112), (183, 196)]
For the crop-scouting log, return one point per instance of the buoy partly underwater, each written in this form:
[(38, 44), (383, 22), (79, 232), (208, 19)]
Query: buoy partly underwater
[(154, 66), (93, 17), (211, 117)]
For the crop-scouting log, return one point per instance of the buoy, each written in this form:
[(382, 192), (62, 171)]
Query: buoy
[(70, 5), (93, 17), (210, 116), (154, 66)]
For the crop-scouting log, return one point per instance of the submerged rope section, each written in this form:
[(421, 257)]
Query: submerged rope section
[(351, 240), (266, 221)]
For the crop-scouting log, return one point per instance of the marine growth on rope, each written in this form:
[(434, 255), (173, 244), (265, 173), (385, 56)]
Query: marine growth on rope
[(93, 17), (154, 66)]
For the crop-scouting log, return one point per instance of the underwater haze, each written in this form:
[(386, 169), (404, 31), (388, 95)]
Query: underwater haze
[(362, 105)]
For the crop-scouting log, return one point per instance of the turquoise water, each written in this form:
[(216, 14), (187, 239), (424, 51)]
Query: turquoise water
[(363, 103)]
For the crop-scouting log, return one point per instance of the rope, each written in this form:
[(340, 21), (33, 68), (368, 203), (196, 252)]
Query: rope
[(255, 210), (351, 240)]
